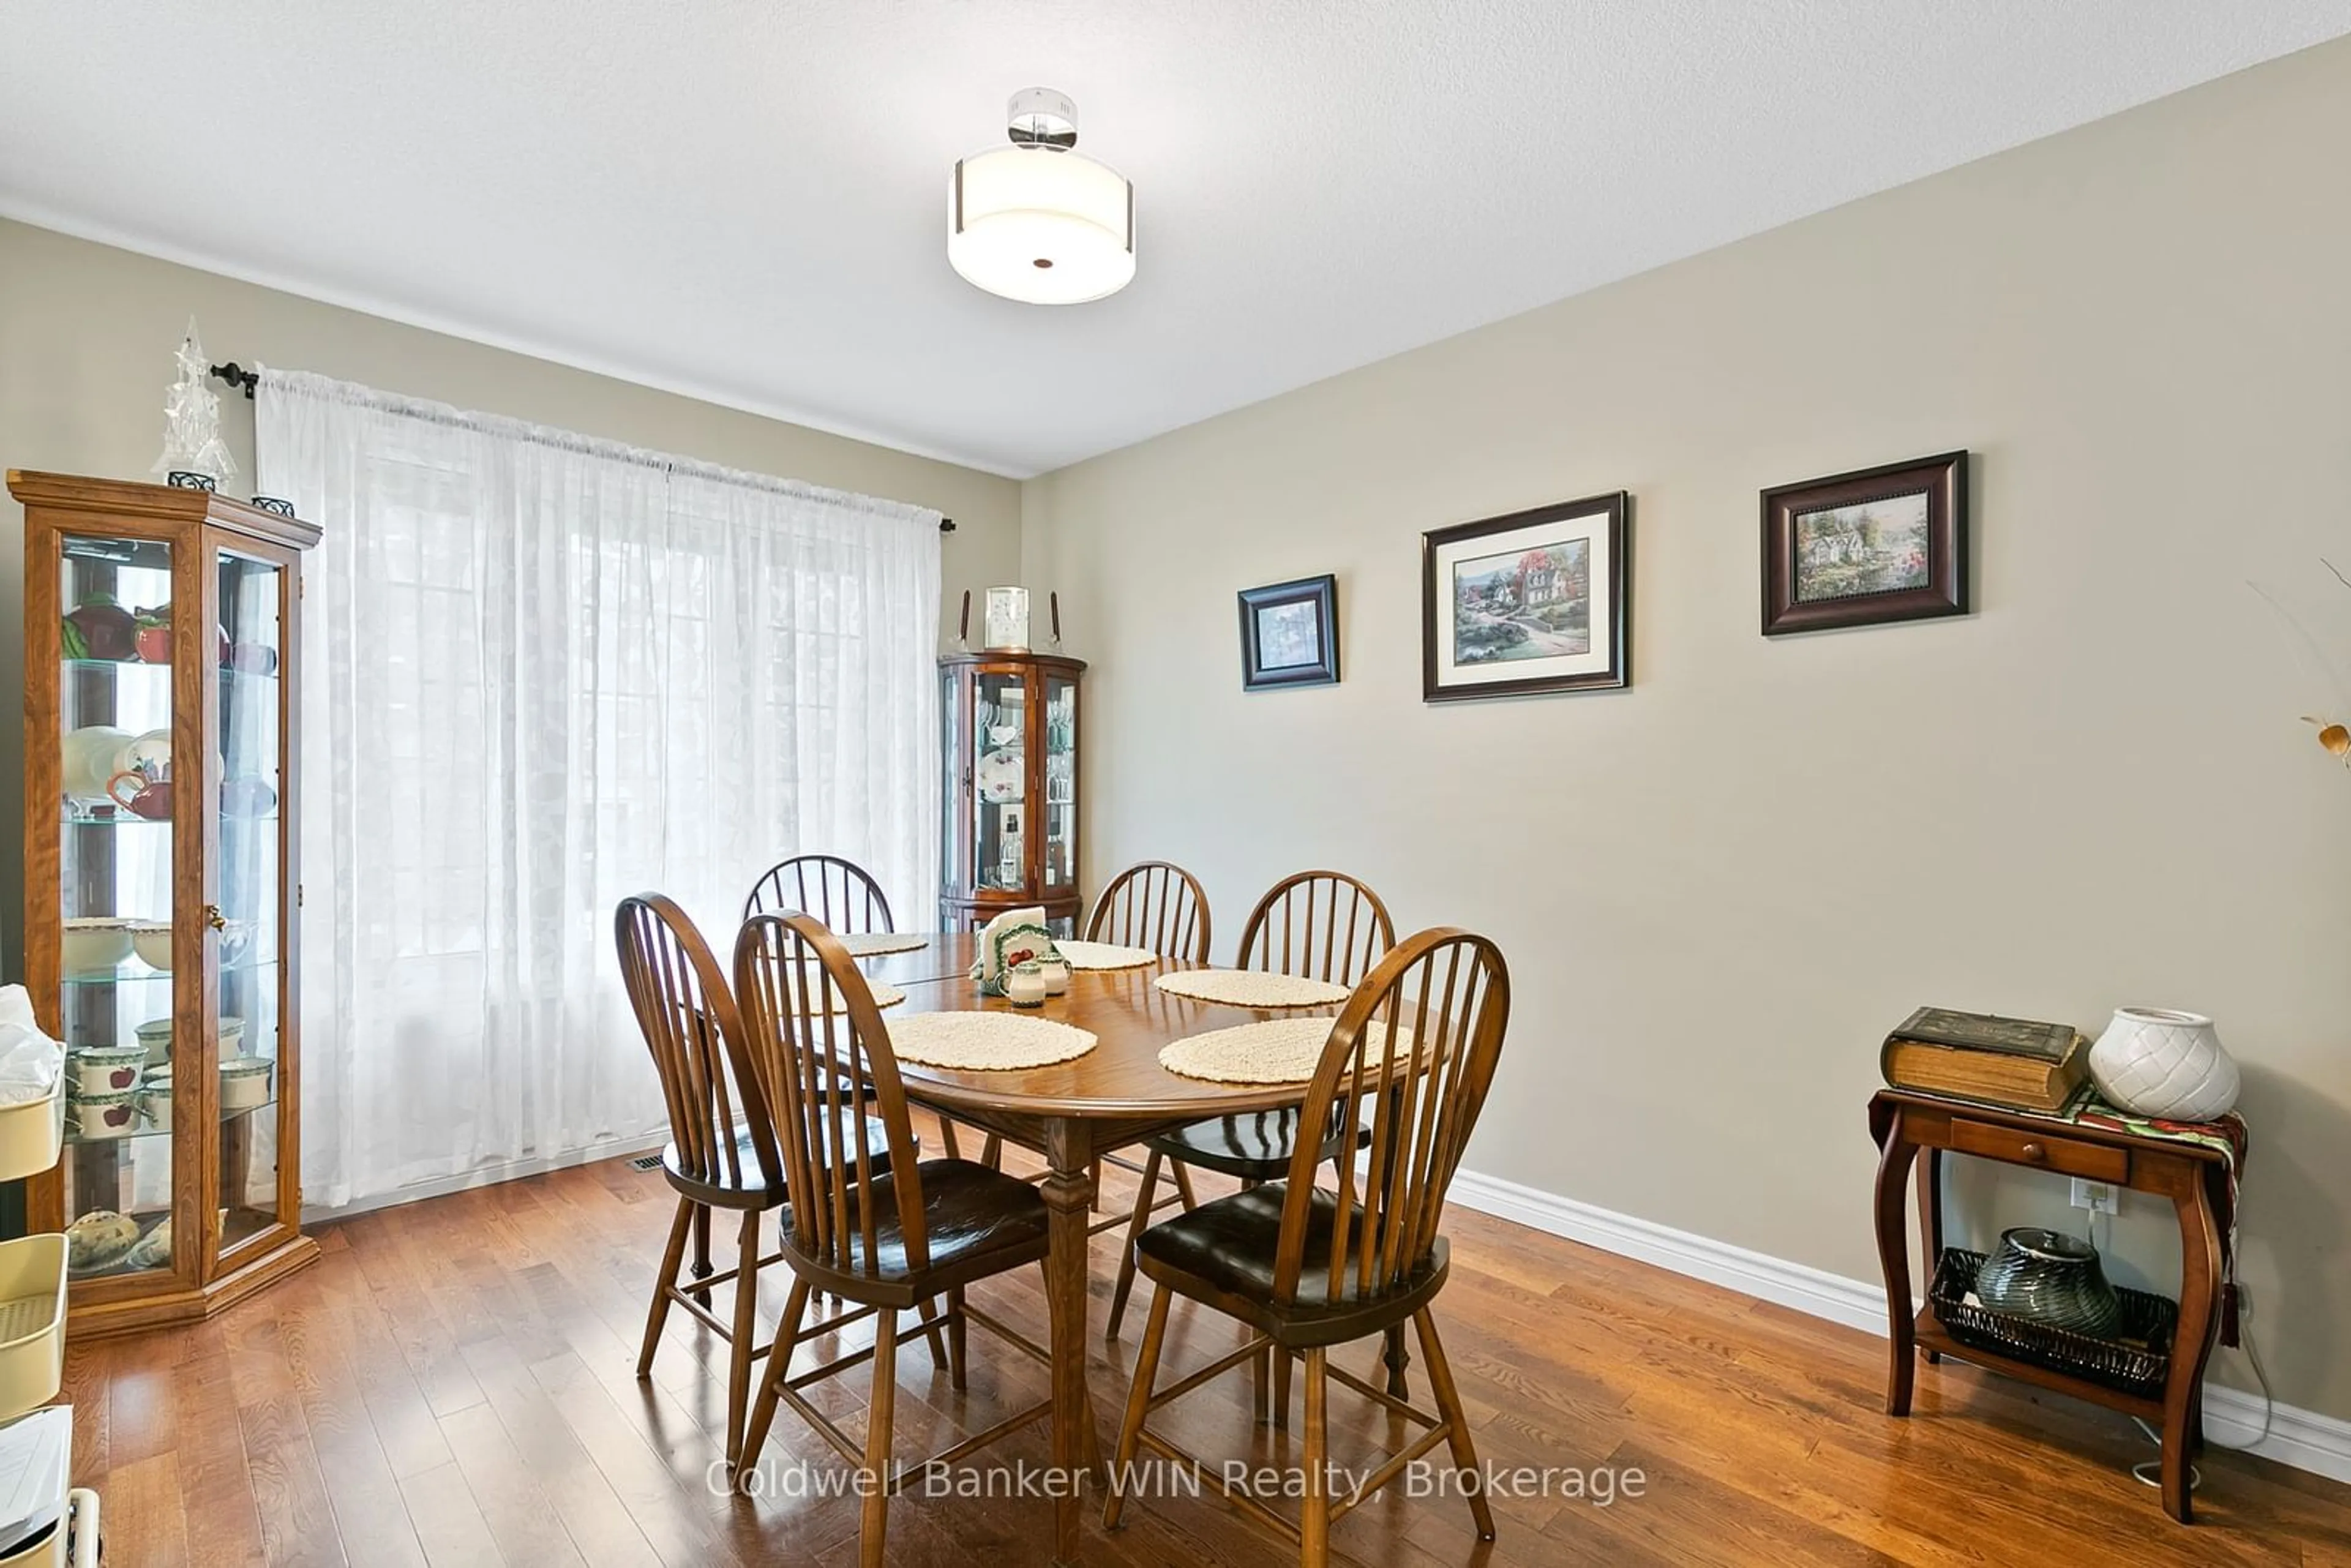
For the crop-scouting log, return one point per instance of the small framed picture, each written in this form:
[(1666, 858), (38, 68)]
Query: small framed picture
[(1533, 602), (1867, 547), (1008, 822), (1289, 634)]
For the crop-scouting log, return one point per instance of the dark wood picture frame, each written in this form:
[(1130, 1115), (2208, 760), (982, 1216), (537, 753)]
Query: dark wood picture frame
[(1322, 592), (1611, 585), (1941, 480)]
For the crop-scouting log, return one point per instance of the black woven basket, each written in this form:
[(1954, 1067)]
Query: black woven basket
[(2135, 1361)]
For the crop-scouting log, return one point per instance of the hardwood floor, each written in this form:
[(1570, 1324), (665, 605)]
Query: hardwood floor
[(453, 1384)]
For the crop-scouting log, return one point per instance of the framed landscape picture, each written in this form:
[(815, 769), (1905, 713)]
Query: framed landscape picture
[(1535, 602), (1862, 549), (1289, 634)]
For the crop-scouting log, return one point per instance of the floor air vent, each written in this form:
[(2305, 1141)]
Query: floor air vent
[(645, 1163)]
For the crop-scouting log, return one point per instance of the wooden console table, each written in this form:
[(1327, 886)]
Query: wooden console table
[(2195, 1177)]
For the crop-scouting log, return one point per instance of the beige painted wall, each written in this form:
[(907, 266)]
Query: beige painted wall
[(86, 339), (1718, 891)]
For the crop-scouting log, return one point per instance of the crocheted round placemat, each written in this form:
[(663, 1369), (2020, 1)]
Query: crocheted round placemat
[(885, 995), (874, 944), (1251, 988), (987, 1043), (1278, 1050), (1104, 954)]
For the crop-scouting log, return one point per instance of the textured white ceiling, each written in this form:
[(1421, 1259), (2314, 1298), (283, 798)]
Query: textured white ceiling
[(744, 199)]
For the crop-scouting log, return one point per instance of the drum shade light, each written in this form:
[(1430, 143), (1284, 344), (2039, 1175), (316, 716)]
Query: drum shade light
[(1037, 220)]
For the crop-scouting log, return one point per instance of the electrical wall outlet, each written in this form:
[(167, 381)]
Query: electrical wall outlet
[(2097, 1197)]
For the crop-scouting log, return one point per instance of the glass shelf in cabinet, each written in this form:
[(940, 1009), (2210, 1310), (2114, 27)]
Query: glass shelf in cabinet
[(100, 817), (146, 1129), (134, 971), (226, 671), (107, 817)]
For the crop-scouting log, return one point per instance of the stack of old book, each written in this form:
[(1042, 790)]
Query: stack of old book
[(2013, 1063)]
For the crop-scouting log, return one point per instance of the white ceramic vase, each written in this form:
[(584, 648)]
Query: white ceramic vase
[(2152, 1061)]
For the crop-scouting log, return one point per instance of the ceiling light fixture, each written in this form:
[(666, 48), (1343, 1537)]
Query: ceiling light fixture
[(1036, 221)]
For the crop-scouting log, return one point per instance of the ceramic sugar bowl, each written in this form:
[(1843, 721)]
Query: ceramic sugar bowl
[(2152, 1061)]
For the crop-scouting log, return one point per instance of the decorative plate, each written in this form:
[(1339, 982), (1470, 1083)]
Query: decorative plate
[(1002, 776)]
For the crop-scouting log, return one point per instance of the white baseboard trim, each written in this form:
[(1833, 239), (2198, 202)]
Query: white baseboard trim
[(2302, 1438), (489, 1175)]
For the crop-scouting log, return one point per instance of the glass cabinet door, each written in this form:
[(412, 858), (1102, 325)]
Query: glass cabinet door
[(999, 804), (116, 952), (248, 889), (1061, 805)]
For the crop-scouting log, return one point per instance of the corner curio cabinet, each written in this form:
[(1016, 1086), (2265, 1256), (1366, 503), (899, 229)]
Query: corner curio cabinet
[(1009, 839), (161, 655)]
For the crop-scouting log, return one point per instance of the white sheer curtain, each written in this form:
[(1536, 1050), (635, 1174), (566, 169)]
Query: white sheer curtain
[(544, 672)]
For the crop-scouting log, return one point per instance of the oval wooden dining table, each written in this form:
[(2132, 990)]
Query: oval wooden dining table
[(1116, 1096)]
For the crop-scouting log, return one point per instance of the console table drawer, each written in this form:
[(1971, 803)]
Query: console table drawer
[(2057, 1152)]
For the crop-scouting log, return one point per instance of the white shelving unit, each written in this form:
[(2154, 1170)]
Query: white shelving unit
[(45, 1521)]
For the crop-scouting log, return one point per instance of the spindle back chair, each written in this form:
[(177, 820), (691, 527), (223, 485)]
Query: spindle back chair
[(1415, 1046)]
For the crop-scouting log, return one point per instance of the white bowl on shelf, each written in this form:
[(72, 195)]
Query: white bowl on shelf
[(244, 1082), (155, 1035), (152, 940), (95, 942)]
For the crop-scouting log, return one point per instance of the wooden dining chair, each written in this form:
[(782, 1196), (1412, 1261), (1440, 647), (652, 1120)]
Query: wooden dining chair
[(723, 1151), (840, 892), (845, 897), (1324, 924), (1308, 1268), (1156, 904), (892, 1237)]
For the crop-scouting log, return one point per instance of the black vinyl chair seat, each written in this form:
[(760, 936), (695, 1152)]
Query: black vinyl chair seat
[(1224, 1252), (1255, 1147), (977, 1221)]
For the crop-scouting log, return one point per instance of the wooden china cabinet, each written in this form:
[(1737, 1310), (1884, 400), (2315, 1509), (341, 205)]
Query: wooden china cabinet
[(1009, 837), (161, 655)]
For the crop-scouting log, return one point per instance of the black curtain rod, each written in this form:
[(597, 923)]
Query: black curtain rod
[(245, 381)]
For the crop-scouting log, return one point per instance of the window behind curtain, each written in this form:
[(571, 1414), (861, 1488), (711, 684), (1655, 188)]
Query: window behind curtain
[(545, 672)]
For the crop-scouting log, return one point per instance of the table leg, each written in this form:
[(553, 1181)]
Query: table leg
[(1896, 1155), (1068, 1196), (2199, 1289), (1930, 1219)]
